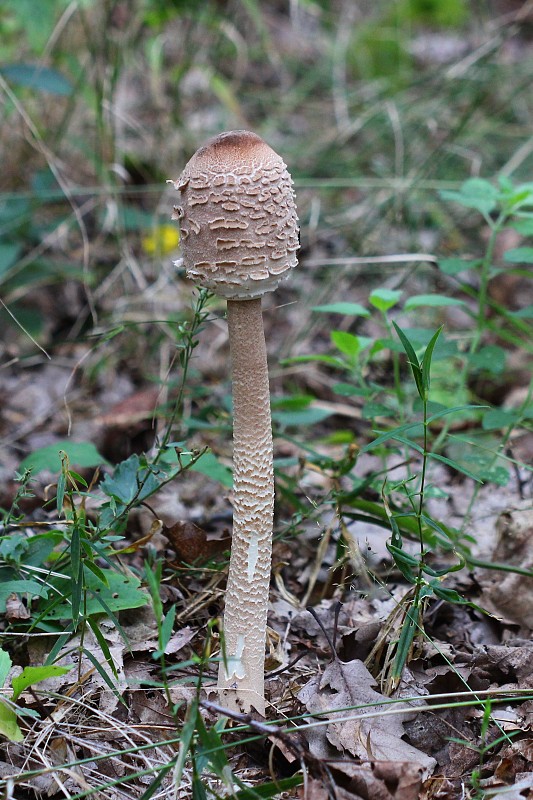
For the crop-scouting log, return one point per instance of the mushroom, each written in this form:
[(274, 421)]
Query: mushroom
[(239, 238)]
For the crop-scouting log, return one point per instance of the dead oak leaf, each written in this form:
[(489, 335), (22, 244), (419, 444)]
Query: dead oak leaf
[(377, 780), (371, 781), (370, 731)]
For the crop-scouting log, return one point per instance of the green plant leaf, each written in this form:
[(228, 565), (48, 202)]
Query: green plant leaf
[(497, 419), (186, 737), (8, 718), (523, 226), (426, 362), (122, 592), (8, 724), (307, 416), (167, 627), (475, 193), (373, 410), (439, 573), (103, 674), (347, 343), (270, 789), (456, 466), (198, 788), (153, 579), (384, 437), (331, 361), (210, 466), (481, 457), (404, 562), (519, 255), (516, 197), (33, 588), (522, 313), (34, 76), (454, 266), (60, 490), (408, 443), (452, 596), (83, 454), (130, 481), (104, 647), (211, 742), (76, 574), (412, 360), (32, 675), (5, 666), (100, 574), (158, 780), (445, 535), (348, 309), (491, 359), (9, 254), (405, 640), (455, 409), (432, 300), (350, 390), (384, 299), (13, 547)]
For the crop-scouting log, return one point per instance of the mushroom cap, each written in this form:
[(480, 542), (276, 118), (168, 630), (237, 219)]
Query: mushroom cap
[(237, 214)]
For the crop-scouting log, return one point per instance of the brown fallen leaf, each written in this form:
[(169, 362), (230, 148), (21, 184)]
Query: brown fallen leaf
[(439, 787), (522, 788), (15, 609), (513, 760), (513, 661), (179, 639), (370, 731), (313, 790), (511, 595), (135, 408), (378, 780), (192, 543), (128, 427)]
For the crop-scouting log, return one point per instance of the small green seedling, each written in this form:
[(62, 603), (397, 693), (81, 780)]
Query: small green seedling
[(9, 712)]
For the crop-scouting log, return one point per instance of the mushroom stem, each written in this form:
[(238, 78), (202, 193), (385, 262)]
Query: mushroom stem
[(241, 673)]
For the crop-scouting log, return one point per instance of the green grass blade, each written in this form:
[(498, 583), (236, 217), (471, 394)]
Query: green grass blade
[(412, 359), (76, 582), (407, 635), (426, 361), (104, 647), (455, 466)]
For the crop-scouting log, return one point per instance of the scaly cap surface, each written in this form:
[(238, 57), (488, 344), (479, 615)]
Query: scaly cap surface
[(237, 215)]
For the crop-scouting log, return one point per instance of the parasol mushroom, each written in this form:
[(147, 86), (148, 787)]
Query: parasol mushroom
[(239, 238)]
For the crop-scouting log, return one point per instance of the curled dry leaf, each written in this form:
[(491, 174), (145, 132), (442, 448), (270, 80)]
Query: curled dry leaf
[(192, 543), (509, 594), (379, 780), (15, 609), (179, 639), (512, 661), (376, 737), (524, 783), (383, 780)]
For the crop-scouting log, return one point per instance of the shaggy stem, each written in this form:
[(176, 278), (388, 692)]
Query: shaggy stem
[(241, 674)]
